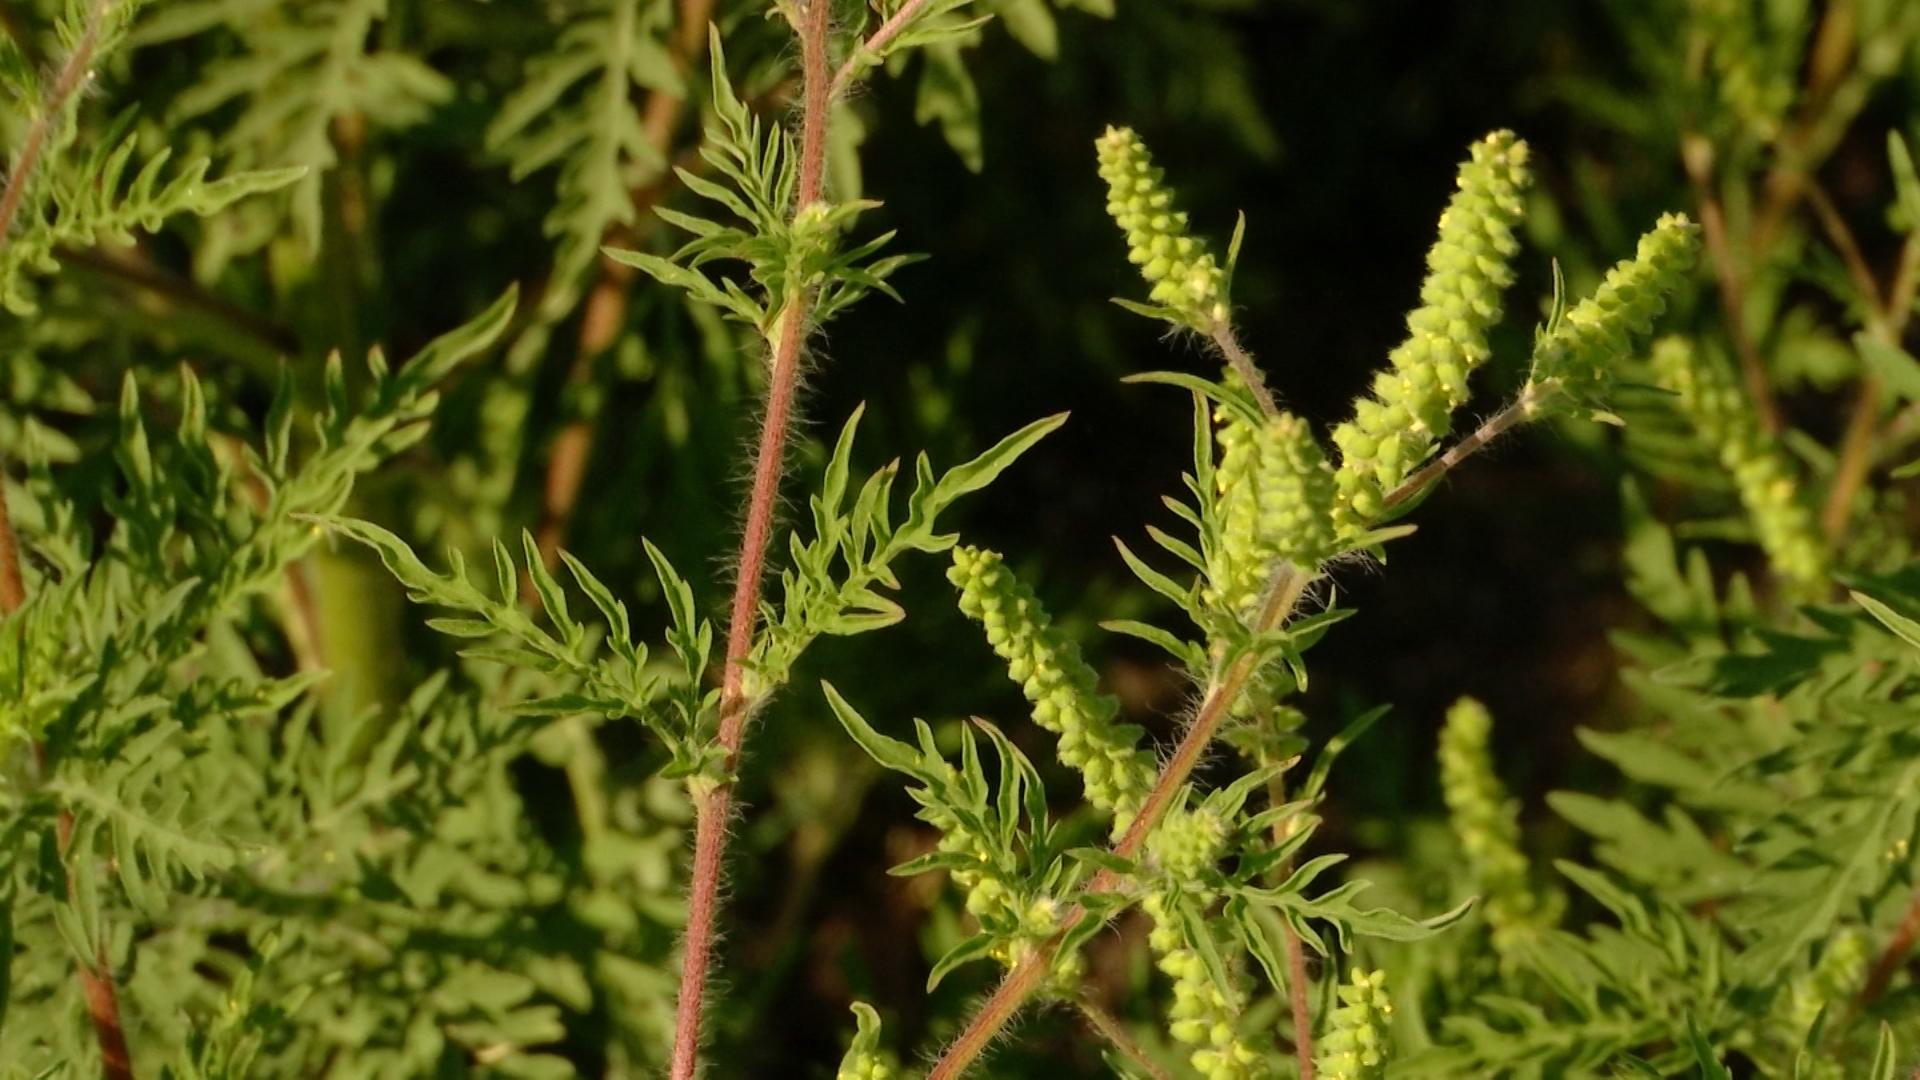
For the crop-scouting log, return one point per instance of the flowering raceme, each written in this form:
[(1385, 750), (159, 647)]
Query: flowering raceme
[(1185, 278), (1467, 268), (1061, 686), (1486, 823), (1727, 424)]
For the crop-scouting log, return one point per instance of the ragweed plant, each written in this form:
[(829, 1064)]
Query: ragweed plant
[(1220, 884), (264, 818)]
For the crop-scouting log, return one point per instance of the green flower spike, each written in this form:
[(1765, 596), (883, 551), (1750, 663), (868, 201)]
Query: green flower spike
[(1577, 353), (1486, 822), (1186, 281), (1116, 772), (1713, 402), (1412, 403), (1275, 491), (1356, 1047), (1185, 845)]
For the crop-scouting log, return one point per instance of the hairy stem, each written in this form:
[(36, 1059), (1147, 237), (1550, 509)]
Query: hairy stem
[(1109, 1029), (72, 75), (1522, 409), (1243, 366), (714, 805), (1297, 996), (1283, 593)]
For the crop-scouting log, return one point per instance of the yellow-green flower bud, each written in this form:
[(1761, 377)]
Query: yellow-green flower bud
[(1188, 842), (1355, 1046), (864, 1060), (1579, 355), (1712, 401), (1486, 822), (1116, 771), (1275, 499), (1414, 399), (1183, 275)]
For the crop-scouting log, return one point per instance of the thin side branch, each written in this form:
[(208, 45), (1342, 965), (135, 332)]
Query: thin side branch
[(1111, 1030), (136, 271), (1243, 366), (715, 806), (1282, 595), (1522, 409), (876, 41)]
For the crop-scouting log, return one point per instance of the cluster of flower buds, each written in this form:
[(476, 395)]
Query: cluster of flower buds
[(1186, 280), (1413, 399), (1578, 354), (1486, 822), (1712, 401), (1355, 1047), (999, 901), (1202, 1015), (1063, 689), (1184, 847), (1275, 499)]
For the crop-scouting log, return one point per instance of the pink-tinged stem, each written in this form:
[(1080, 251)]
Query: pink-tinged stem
[(714, 805)]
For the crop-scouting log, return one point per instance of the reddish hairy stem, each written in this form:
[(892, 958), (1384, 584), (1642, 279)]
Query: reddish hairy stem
[(715, 805), (1111, 1030), (1297, 994), (1495, 426), (74, 72)]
